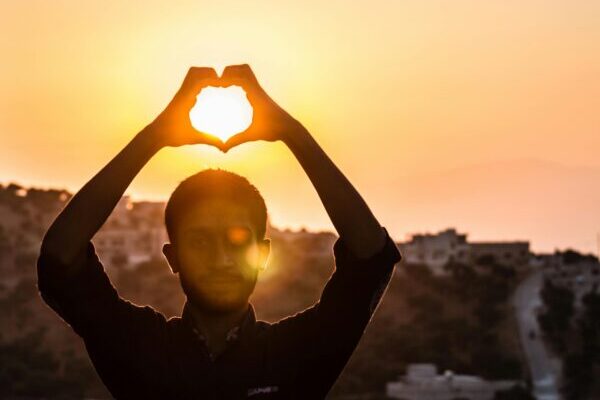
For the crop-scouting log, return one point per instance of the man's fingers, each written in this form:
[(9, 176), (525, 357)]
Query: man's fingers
[(234, 141), (241, 71), (196, 79), (197, 74), (205, 138), (240, 75)]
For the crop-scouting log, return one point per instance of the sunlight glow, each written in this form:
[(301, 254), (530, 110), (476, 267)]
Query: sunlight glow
[(221, 112)]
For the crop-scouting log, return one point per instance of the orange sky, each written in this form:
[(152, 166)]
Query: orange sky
[(398, 93)]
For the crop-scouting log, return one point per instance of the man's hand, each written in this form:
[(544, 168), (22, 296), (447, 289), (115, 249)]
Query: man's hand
[(173, 126), (269, 122)]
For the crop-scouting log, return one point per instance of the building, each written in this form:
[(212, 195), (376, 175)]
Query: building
[(436, 250), (422, 382), (134, 233), (124, 246), (311, 244), (505, 253)]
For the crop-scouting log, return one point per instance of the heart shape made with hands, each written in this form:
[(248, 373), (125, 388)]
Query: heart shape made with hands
[(221, 111)]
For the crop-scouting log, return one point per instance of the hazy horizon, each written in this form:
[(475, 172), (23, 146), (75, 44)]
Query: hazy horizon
[(470, 189), (478, 115)]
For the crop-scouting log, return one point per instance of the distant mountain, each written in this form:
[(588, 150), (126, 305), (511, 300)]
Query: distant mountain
[(550, 204)]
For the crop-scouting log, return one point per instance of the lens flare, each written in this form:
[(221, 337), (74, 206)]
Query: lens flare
[(222, 112), (238, 235)]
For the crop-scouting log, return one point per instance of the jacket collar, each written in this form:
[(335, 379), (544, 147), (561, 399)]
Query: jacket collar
[(247, 320)]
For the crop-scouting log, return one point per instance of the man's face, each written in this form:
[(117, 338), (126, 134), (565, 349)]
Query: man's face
[(217, 255)]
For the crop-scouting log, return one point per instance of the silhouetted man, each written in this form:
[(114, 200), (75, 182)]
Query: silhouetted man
[(216, 223)]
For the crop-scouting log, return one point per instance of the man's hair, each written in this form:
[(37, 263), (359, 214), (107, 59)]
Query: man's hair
[(216, 184)]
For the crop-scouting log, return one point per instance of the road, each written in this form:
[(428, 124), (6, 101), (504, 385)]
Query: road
[(545, 369)]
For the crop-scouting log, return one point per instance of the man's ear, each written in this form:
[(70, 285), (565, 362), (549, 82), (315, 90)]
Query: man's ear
[(264, 249), (171, 255)]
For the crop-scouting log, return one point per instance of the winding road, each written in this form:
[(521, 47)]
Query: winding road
[(545, 370)]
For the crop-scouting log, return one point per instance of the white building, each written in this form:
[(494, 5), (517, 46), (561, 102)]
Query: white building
[(133, 233), (436, 250), (422, 382)]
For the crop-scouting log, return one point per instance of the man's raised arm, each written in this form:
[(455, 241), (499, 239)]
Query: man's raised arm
[(352, 218), (67, 238)]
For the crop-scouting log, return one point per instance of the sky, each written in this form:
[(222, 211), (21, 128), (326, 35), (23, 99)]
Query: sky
[(479, 115)]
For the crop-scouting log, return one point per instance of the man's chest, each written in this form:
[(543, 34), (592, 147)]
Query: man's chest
[(245, 369)]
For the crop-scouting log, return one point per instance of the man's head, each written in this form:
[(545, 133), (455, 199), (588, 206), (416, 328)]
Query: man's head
[(216, 223)]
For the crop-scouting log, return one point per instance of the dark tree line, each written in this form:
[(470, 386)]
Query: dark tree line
[(574, 335), (582, 362)]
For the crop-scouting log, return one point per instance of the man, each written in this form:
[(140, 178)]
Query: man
[(216, 225)]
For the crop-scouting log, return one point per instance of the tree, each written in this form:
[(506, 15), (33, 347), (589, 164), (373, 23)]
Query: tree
[(27, 370), (579, 365), (559, 308), (517, 392)]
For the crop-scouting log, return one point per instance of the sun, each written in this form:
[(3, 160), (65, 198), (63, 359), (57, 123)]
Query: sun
[(221, 112)]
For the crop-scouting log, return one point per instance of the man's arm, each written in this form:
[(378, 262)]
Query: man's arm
[(85, 213), (352, 218), (347, 210), (66, 239)]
